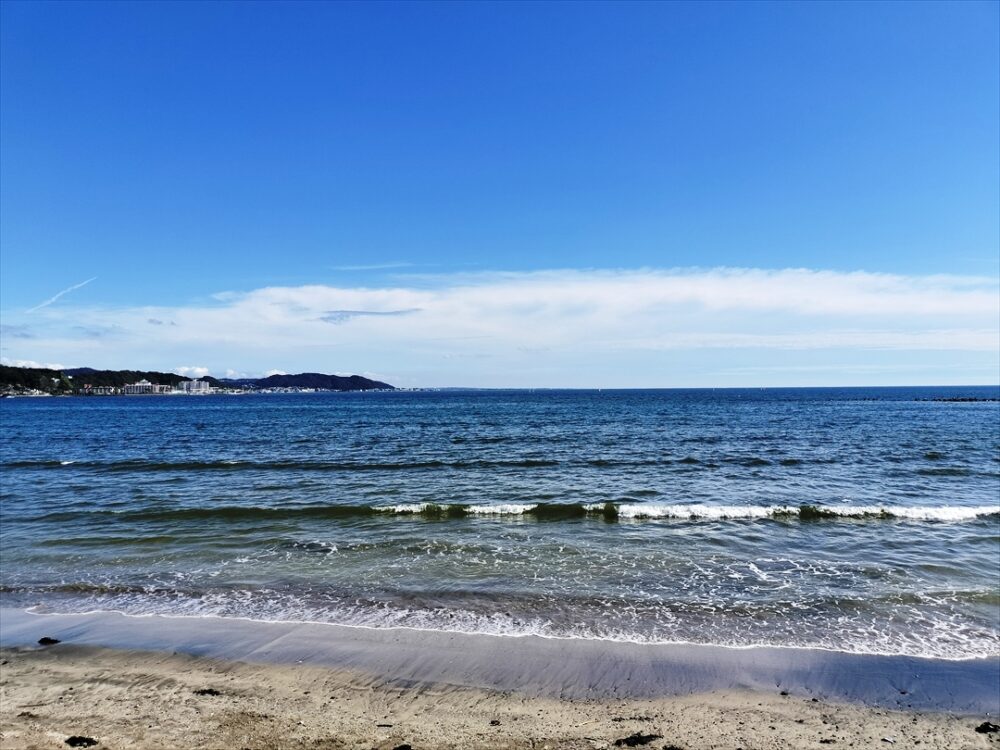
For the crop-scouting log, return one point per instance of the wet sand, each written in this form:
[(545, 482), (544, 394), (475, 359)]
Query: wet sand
[(317, 686)]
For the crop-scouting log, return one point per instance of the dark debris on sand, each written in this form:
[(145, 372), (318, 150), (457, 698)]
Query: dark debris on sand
[(46, 641), (988, 727), (207, 691), (80, 741), (631, 718), (634, 740)]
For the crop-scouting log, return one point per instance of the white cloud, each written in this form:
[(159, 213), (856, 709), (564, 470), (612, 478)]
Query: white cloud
[(269, 373), (31, 363), (551, 327), (193, 372), (945, 340)]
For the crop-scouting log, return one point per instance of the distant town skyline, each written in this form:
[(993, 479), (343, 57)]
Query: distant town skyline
[(492, 194)]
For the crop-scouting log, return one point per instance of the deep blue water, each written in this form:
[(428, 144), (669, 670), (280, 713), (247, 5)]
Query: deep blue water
[(636, 515)]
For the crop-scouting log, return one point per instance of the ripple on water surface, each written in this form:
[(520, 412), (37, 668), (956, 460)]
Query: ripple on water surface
[(798, 518)]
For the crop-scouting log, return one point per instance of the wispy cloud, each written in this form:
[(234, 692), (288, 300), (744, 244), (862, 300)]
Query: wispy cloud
[(57, 295), (16, 332), (342, 316), (98, 331), (560, 327)]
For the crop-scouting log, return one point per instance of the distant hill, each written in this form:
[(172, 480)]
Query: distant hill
[(34, 378), (117, 378), (311, 380), (20, 379), (15, 379)]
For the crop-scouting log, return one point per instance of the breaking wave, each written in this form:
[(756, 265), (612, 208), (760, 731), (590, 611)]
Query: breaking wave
[(551, 512)]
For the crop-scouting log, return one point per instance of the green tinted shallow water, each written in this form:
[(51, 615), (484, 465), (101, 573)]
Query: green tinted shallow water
[(862, 520)]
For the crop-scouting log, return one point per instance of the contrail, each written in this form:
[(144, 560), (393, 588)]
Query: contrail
[(54, 297)]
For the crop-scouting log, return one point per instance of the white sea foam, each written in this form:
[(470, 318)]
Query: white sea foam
[(721, 512), (665, 510), (726, 512), (501, 509), (403, 508), (942, 635), (691, 511), (498, 509), (940, 513)]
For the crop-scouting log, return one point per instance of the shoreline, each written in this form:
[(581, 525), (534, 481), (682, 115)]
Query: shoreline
[(598, 641), (534, 666), (140, 699)]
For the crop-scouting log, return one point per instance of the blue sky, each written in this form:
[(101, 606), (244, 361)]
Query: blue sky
[(538, 194)]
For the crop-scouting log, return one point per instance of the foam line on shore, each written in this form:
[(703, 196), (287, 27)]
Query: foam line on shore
[(565, 668)]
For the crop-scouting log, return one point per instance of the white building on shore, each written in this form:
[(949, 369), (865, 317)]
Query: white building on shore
[(144, 387), (195, 386)]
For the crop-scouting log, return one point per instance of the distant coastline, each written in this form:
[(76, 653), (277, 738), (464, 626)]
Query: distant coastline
[(87, 381)]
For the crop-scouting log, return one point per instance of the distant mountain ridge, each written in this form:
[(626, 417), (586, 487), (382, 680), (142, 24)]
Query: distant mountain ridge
[(310, 380), (118, 378), (70, 380)]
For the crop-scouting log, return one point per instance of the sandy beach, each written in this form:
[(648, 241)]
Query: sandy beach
[(130, 699), (289, 689), (436, 375)]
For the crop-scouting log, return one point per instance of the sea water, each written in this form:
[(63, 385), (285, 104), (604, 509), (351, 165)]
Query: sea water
[(858, 520)]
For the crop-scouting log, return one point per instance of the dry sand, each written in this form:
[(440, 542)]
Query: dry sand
[(136, 699)]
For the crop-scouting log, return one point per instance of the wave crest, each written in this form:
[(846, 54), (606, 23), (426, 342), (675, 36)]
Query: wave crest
[(609, 511)]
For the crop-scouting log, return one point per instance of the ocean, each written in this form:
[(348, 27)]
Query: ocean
[(862, 520)]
